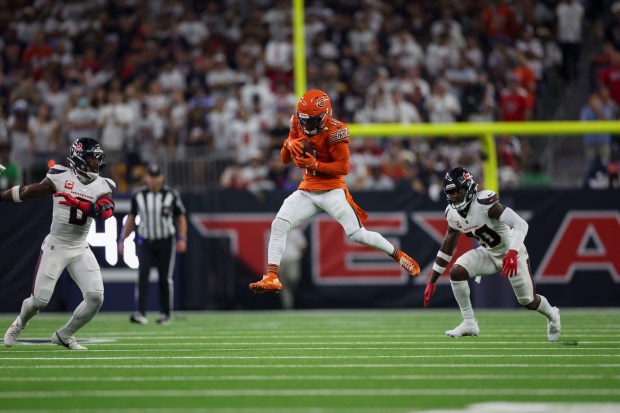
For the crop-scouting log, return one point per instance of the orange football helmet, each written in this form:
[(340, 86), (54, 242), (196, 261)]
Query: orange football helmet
[(313, 110)]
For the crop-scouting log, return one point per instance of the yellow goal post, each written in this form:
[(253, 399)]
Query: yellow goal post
[(484, 130)]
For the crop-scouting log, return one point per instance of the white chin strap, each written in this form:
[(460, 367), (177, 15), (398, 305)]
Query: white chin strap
[(460, 206)]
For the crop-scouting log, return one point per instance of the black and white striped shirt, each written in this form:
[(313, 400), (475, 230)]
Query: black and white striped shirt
[(157, 211)]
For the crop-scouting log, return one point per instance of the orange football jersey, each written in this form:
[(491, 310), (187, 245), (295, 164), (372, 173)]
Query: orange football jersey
[(331, 150)]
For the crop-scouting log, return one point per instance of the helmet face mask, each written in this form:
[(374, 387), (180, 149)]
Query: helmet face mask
[(313, 110), (87, 159), (460, 188)]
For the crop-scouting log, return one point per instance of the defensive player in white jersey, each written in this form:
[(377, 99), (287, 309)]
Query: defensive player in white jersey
[(500, 233), (80, 195)]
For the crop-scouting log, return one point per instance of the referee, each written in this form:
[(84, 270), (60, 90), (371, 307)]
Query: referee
[(157, 240)]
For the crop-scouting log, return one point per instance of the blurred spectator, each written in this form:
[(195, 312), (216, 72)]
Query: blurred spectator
[(115, 119), (499, 20), (21, 139), (378, 181), (11, 175), (82, 120), (526, 77), (290, 266), (599, 107), (478, 100), (447, 24), (532, 50), (405, 49), (609, 77), (37, 56), (279, 58), (442, 106), (255, 173), (146, 134), (535, 178), (221, 79), (441, 54), (193, 30), (45, 132), (509, 161), (612, 28), (570, 16), (177, 133), (232, 177), (246, 135), (513, 102)]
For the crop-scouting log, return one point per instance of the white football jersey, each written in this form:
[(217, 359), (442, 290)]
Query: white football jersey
[(68, 223), (490, 233)]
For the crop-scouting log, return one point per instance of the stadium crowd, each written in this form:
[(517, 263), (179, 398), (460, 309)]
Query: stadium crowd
[(213, 81)]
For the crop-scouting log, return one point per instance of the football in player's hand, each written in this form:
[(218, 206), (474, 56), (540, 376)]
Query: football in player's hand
[(307, 147)]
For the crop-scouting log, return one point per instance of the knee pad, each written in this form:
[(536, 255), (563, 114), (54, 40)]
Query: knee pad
[(280, 226), (94, 299), (37, 303), (525, 301), (360, 235)]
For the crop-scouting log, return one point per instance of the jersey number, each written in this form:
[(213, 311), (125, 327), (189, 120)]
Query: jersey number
[(486, 236), (73, 217)]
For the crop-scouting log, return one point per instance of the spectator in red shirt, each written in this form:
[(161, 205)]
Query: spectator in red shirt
[(609, 77), (499, 20), (37, 55), (514, 102)]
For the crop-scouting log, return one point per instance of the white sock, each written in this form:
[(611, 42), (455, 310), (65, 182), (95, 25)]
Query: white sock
[(277, 240), (545, 308), (460, 289)]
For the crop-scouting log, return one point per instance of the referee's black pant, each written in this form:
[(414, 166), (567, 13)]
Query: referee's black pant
[(160, 254)]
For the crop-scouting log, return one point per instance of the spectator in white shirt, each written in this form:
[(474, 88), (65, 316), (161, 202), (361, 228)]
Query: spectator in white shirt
[(570, 15), (442, 106), (115, 119)]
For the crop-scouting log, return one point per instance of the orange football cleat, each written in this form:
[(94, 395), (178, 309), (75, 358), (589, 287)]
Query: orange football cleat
[(408, 263), (270, 282)]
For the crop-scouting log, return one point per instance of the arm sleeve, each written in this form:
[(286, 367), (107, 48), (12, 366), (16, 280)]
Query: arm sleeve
[(134, 204), (518, 225), (340, 163), (178, 208)]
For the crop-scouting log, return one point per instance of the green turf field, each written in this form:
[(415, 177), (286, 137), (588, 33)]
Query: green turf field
[(315, 362)]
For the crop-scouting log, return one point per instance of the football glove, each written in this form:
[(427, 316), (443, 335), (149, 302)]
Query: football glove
[(2, 168), (307, 162), (428, 293), (295, 147), (509, 264), (69, 200)]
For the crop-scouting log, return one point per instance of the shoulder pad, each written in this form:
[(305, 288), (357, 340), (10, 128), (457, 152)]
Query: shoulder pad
[(338, 131), (111, 184), (487, 197), (447, 211), (138, 190), (57, 169)]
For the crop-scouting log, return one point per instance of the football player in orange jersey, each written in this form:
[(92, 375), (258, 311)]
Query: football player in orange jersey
[(323, 187)]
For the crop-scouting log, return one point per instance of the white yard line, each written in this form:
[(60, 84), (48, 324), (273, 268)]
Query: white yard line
[(321, 377), (454, 343), (566, 351), (436, 334), (443, 392), (315, 366), (342, 357), (487, 407)]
